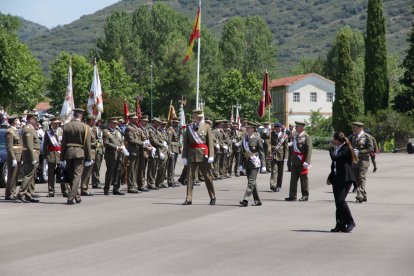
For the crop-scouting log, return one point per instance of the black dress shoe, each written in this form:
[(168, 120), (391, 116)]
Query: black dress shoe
[(78, 200), (244, 203), (133, 192), (152, 187), (365, 199), (31, 199), (196, 184), (257, 203), (10, 198), (338, 228), (187, 202), (51, 195), (354, 190), (65, 194), (118, 193), (70, 202), (349, 227), (277, 189), (96, 187), (106, 193), (273, 189), (176, 185), (303, 199), (35, 195), (22, 199), (171, 185), (359, 200), (237, 175), (290, 199), (213, 201), (86, 194), (163, 186), (144, 190)]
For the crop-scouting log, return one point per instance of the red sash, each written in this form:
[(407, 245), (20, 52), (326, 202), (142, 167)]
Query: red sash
[(53, 148), (200, 146), (302, 159)]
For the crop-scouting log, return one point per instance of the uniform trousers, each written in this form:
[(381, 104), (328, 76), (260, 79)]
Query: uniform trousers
[(251, 185), (74, 169), (28, 182), (343, 214), (276, 177), (205, 169), (12, 177), (304, 182)]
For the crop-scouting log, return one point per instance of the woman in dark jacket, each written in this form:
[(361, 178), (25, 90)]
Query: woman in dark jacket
[(342, 178)]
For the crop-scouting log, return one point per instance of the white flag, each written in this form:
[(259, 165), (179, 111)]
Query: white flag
[(95, 103), (68, 104), (238, 116)]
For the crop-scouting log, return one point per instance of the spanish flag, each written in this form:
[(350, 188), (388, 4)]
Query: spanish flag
[(195, 34)]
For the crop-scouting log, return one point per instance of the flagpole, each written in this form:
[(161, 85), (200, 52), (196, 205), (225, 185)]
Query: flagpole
[(198, 63)]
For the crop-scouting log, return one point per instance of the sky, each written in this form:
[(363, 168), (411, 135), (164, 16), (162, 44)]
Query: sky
[(51, 13)]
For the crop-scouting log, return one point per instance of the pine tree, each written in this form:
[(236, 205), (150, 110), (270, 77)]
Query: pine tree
[(404, 102), (347, 105), (376, 90)]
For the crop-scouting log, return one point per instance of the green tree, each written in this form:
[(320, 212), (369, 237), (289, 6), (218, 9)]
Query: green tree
[(21, 78), (404, 101), (376, 90), (347, 104), (308, 65), (246, 45)]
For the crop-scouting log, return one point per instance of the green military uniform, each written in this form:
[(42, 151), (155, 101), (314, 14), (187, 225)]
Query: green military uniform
[(87, 171), (227, 151), (266, 145), (236, 141), (154, 158), (30, 158), (303, 144), (143, 154), (174, 150), (76, 147), (290, 151), (198, 149), (218, 145), (14, 146), (99, 152), (113, 159), (52, 150), (252, 158), (278, 151), (163, 155), (363, 145), (132, 139)]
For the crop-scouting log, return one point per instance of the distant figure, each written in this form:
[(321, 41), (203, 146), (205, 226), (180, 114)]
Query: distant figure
[(342, 178)]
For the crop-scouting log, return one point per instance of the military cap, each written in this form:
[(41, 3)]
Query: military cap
[(55, 120), (32, 115), (292, 125), (132, 116), (156, 120), (12, 118), (198, 113), (277, 124), (144, 118), (218, 122), (120, 120), (91, 117), (175, 120), (208, 121), (164, 122), (224, 121), (358, 124), (113, 120), (251, 124), (300, 123), (78, 110), (266, 123)]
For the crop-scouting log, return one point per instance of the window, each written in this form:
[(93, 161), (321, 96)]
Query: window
[(296, 97), (329, 97), (313, 97)]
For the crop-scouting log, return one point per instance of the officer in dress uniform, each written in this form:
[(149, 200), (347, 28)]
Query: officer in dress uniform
[(301, 157), (76, 149), (114, 154), (227, 150), (30, 158), (252, 160), (198, 150), (99, 153), (87, 171), (132, 138), (174, 149), (291, 132), (265, 135), (236, 141), (278, 151), (155, 156), (363, 146), (163, 154), (52, 151), (14, 146), (218, 145), (145, 150)]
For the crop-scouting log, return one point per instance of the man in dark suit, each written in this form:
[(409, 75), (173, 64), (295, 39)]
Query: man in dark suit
[(342, 178)]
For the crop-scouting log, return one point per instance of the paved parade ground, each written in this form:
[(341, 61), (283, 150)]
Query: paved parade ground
[(153, 234)]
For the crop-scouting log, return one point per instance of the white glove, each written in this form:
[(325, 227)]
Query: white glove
[(63, 163), (210, 160), (263, 170), (225, 147), (217, 146), (356, 152), (88, 163), (165, 144), (125, 152), (122, 147), (290, 144), (162, 156), (185, 162), (241, 169), (153, 152), (146, 142), (234, 141), (238, 144), (305, 165), (14, 163), (34, 162)]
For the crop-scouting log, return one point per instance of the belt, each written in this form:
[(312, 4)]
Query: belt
[(53, 148), (200, 146), (33, 149), (74, 145)]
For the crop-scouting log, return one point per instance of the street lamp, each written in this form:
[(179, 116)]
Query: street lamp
[(151, 93)]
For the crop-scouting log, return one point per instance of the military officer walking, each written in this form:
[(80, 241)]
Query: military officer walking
[(76, 149), (30, 158), (14, 146), (87, 170), (114, 156), (278, 151), (198, 150), (174, 149), (363, 146), (236, 142), (99, 152), (301, 156), (252, 159)]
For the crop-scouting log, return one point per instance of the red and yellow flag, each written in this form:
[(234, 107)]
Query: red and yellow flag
[(195, 34)]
